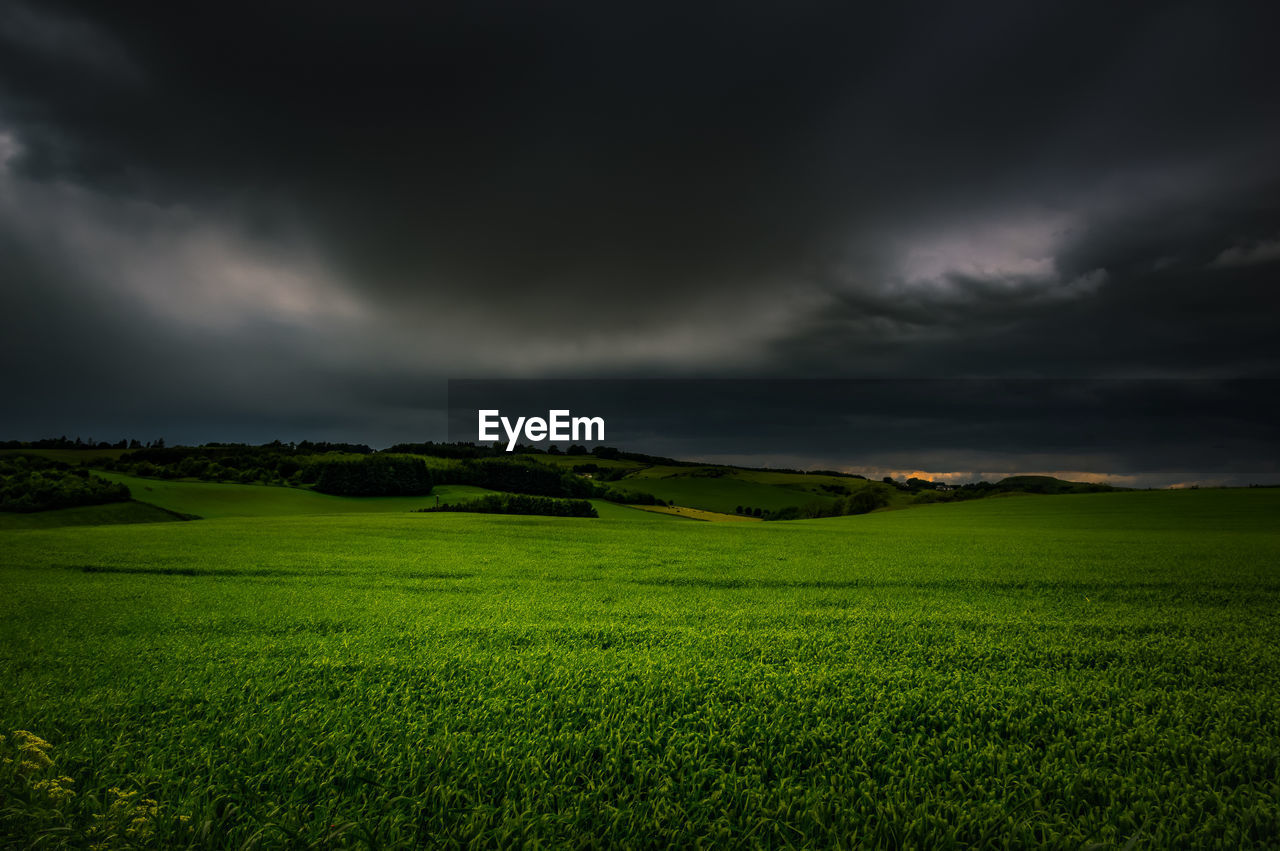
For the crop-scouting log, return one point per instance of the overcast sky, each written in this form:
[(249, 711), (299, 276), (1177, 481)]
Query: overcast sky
[(243, 221)]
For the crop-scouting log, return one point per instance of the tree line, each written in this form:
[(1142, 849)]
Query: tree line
[(521, 504), (376, 475), (30, 483)]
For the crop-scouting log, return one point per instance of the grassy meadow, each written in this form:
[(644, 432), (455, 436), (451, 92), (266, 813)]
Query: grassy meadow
[(1061, 671)]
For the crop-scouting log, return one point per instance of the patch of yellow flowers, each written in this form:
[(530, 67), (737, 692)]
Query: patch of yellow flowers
[(129, 820), (129, 816), (31, 754)]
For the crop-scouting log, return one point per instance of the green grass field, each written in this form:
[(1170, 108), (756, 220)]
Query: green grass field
[(1046, 671)]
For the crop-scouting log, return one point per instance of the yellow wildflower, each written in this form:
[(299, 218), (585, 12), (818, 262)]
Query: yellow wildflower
[(56, 789)]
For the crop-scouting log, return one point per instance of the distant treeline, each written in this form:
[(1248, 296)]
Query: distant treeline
[(306, 447), (601, 474), (522, 504), (271, 463), (358, 471), (30, 483), (928, 492), (66, 443)]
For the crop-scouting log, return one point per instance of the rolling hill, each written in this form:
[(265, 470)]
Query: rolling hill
[(714, 491)]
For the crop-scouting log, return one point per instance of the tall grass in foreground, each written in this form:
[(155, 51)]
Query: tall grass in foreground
[(1056, 671)]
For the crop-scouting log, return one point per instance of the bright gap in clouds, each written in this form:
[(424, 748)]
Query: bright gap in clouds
[(1010, 251), (1015, 254)]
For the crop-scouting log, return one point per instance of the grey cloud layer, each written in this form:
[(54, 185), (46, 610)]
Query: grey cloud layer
[(341, 203)]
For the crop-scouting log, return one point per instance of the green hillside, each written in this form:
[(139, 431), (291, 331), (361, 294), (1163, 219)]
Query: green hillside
[(723, 489), (1049, 485), (88, 515), (715, 488)]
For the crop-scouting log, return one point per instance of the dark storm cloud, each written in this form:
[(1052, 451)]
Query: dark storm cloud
[(347, 204), (1144, 432)]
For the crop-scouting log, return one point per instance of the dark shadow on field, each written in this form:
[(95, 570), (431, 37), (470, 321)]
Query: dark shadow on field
[(197, 571)]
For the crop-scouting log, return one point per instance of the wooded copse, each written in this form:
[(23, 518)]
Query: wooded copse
[(31, 483)]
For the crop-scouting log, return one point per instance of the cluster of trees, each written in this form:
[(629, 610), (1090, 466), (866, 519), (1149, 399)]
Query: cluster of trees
[(30, 483), (912, 484), (629, 497), (376, 475), (522, 504), (860, 502), (601, 474)]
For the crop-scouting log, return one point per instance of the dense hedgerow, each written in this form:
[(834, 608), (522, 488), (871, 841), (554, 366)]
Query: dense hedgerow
[(521, 504), (31, 483)]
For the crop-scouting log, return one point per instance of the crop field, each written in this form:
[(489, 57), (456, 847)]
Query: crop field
[(1061, 671), (697, 514)]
